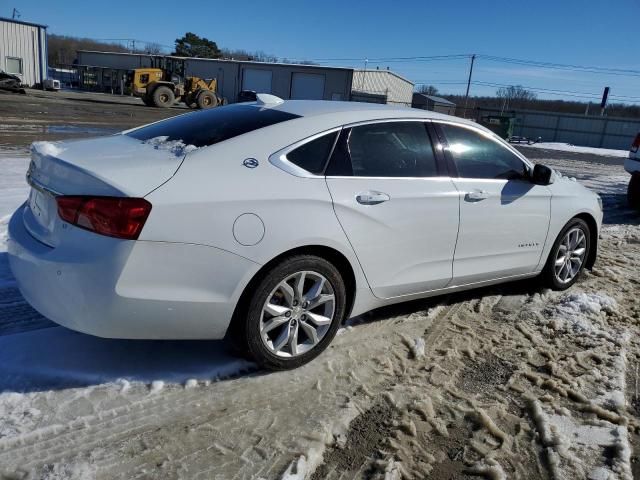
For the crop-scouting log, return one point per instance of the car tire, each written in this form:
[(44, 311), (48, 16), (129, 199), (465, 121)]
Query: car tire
[(206, 99), (163, 97), (576, 237), (633, 191), (255, 332)]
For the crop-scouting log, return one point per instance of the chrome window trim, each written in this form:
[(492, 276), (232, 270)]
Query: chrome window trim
[(279, 159)]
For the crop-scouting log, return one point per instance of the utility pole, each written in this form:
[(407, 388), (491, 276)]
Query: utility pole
[(16, 14), (466, 97)]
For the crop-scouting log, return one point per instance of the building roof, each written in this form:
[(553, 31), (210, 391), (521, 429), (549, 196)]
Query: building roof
[(439, 100), (389, 72), (13, 20), (227, 60)]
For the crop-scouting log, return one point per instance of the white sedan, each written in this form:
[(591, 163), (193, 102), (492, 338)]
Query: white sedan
[(274, 221)]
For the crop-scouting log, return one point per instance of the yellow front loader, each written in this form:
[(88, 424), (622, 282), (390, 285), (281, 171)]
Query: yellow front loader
[(158, 88)]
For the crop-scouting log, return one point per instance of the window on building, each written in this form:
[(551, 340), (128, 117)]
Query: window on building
[(14, 65), (477, 156), (313, 155), (389, 149)]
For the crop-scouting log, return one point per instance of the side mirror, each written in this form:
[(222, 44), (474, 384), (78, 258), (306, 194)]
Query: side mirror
[(542, 175)]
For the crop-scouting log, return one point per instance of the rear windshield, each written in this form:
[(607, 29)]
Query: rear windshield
[(214, 125)]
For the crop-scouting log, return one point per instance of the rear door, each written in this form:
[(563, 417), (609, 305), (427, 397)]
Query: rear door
[(504, 217), (396, 204)]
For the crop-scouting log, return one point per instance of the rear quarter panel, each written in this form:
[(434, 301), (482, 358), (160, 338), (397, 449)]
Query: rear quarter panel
[(201, 203)]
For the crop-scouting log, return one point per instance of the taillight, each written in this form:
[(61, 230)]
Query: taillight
[(636, 144), (119, 217)]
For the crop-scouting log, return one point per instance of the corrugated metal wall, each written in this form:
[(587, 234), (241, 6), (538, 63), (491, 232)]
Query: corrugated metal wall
[(382, 82), (601, 132), (27, 42), (229, 73)]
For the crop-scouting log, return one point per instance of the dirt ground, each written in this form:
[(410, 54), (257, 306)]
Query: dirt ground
[(511, 381), (60, 115)]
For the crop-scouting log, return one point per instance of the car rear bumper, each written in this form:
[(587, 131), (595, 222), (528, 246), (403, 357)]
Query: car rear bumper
[(128, 289), (632, 165)]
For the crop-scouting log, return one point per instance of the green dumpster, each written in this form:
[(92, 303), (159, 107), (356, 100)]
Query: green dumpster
[(501, 125)]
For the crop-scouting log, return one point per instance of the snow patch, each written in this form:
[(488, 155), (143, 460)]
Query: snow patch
[(418, 347), (156, 386), (177, 147), (567, 147), (52, 149), (78, 471)]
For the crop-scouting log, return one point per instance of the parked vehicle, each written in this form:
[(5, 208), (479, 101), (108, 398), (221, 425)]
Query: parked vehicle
[(632, 165), (275, 221)]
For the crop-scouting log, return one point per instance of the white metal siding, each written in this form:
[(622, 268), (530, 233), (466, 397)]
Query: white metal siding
[(381, 82), (21, 41)]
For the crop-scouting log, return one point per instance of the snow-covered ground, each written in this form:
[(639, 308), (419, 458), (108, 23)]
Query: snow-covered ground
[(567, 147), (506, 382)]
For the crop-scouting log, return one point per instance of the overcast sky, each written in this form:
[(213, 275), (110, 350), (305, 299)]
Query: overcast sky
[(584, 33)]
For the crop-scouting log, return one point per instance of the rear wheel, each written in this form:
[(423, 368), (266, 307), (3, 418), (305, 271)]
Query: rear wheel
[(163, 97), (206, 99), (293, 313), (568, 255), (633, 192)]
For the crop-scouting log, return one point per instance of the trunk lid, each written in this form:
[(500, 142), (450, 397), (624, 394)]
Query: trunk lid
[(111, 166)]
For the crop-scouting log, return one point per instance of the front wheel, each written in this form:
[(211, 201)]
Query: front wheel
[(633, 192), (293, 313), (568, 255)]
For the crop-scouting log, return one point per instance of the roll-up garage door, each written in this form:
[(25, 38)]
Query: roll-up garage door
[(257, 80), (307, 86)]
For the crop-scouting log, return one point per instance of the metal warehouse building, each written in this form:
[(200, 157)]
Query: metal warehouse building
[(386, 86), (23, 50), (288, 81)]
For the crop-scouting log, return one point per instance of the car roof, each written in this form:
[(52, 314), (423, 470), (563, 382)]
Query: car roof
[(360, 111)]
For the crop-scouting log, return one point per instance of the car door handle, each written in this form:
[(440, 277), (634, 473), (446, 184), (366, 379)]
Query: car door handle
[(372, 198), (476, 195)]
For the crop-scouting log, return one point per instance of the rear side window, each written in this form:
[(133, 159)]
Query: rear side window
[(313, 155), (389, 149), (214, 125), (477, 156)]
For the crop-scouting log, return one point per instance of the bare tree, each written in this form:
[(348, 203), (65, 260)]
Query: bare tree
[(153, 48), (515, 96), (427, 90)]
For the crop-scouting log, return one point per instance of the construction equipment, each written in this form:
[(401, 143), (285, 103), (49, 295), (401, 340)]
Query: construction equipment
[(162, 88), (11, 83)]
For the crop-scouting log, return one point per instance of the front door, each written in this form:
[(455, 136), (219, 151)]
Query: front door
[(398, 210), (504, 217)]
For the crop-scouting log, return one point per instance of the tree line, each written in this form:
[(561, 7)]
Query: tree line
[(62, 49)]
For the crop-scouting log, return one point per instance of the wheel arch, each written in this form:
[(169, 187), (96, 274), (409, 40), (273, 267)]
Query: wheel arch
[(593, 237), (337, 258)]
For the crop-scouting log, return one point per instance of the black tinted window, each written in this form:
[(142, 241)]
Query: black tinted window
[(389, 149), (313, 155), (477, 156), (215, 125)]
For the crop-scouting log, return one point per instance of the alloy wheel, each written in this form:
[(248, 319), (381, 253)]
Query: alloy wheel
[(571, 255), (297, 314)]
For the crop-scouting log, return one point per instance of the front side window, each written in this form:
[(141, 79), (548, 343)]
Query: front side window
[(477, 156), (14, 65), (313, 155), (389, 149), (208, 127)]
